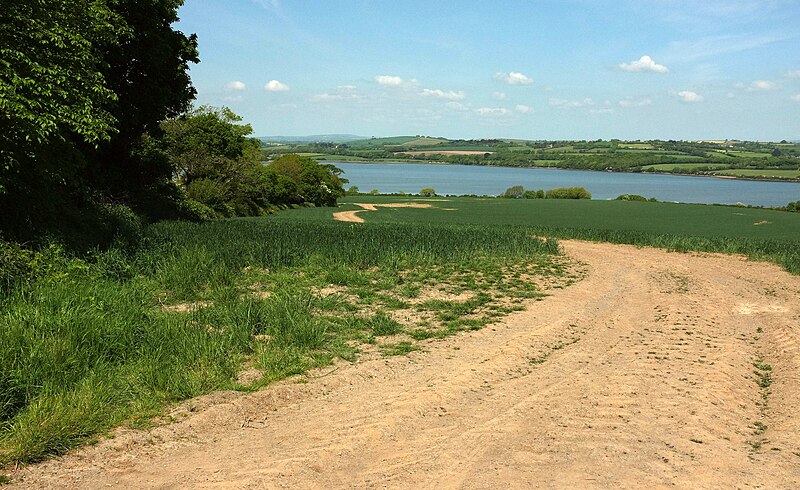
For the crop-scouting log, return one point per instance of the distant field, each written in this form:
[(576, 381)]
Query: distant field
[(376, 142), (671, 167), (446, 152), (748, 154), (639, 146), (482, 149), (425, 141), (768, 173)]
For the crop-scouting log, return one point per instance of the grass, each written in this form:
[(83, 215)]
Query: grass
[(765, 173), (761, 234), (112, 341), (671, 167)]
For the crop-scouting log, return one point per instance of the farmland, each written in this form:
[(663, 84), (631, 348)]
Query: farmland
[(755, 160), (654, 368)]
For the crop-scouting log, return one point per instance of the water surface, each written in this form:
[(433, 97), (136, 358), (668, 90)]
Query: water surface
[(471, 179)]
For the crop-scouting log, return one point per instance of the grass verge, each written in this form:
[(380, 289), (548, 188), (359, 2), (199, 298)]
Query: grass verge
[(111, 341)]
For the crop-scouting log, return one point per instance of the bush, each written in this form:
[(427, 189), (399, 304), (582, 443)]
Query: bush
[(534, 194), (568, 193), (793, 207), (635, 197), (515, 192)]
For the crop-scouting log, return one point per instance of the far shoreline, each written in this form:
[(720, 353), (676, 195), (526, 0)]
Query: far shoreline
[(423, 162)]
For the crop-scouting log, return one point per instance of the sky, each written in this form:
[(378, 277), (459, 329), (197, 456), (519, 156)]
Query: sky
[(570, 69)]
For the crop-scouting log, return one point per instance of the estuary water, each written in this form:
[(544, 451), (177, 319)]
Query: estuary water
[(469, 179)]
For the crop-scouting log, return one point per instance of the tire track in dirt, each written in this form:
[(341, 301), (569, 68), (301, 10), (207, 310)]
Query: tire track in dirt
[(640, 375)]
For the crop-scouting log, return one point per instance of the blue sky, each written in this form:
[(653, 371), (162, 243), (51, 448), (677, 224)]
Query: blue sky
[(573, 69)]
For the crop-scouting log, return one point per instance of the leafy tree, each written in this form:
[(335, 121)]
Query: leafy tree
[(427, 192), (514, 192), (148, 72), (212, 158), (320, 184), (51, 75), (82, 82)]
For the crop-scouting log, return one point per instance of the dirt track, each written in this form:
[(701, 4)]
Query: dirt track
[(640, 375)]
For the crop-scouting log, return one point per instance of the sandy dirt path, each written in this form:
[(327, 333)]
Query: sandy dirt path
[(353, 217), (639, 375)]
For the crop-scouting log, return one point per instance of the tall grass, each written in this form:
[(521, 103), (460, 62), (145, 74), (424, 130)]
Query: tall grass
[(781, 252), (91, 345)]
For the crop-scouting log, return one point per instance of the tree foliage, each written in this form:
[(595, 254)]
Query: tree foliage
[(220, 168), (82, 83), (51, 74)]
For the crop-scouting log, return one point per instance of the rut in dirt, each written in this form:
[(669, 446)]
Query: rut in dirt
[(656, 369)]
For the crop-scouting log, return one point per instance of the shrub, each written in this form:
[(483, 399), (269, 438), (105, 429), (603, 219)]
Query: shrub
[(635, 197), (568, 193), (515, 192)]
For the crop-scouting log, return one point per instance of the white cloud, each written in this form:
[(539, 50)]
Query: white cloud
[(523, 109), (492, 111), (632, 102), (456, 106), (235, 85), (513, 78), (499, 96), (763, 85), (389, 80), (326, 97), (792, 74), (689, 96), (276, 86), (570, 103), (233, 98), (347, 87), (645, 63), (795, 98), (451, 95)]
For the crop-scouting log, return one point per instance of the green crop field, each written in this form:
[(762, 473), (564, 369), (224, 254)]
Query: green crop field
[(671, 167), (767, 173), (759, 233), (747, 154), (379, 142), (463, 148)]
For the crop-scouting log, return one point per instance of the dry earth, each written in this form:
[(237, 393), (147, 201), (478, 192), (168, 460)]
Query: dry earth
[(353, 217), (640, 375)]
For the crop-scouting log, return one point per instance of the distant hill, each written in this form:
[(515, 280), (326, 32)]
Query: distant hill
[(315, 138)]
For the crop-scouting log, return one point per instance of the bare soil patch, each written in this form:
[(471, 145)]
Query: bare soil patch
[(643, 374), (353, 217)]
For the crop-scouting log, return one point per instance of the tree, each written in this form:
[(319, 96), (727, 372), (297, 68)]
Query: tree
[(51, 80), (514, 192), (320, 184), (148, 71), (427, 192), (213, 159), (82, 82)]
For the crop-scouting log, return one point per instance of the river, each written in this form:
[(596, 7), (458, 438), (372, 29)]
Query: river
[(468, 179)]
